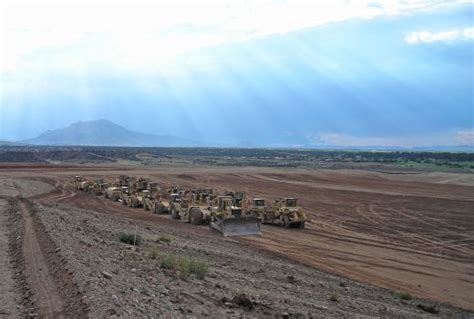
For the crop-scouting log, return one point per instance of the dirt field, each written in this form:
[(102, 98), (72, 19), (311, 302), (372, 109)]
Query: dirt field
[(405, 232)]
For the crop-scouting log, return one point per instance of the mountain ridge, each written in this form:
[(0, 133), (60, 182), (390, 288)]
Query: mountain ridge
[(104, 132)]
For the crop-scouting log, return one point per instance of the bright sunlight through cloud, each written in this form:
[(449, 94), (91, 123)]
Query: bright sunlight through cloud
[(126, 34)]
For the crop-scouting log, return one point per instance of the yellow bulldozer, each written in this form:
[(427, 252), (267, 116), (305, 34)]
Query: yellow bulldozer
[(228, 218), (222, 213), (286, 213), (256, 208)]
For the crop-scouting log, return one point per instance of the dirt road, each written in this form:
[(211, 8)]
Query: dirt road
[(47, 294)]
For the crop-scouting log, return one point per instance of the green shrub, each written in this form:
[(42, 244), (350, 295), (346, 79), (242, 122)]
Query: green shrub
[(185, 266), (199, 268), (165, 239), (334, 297), (154, 252), (169, 262), (405, 296), (130, 238)]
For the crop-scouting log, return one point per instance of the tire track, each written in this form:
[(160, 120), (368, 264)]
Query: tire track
[(48, 300), (49, 289)]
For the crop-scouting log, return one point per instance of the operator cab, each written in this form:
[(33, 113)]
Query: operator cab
[(291, 202), (175, 198), (258, 202)]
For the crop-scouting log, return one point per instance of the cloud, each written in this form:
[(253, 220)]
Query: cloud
[(131, 35), (444, 36), (465, 137), (340, 139), (451, 137), (468, 33)]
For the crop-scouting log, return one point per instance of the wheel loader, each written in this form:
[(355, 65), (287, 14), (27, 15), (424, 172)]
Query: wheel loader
[(286, 213)]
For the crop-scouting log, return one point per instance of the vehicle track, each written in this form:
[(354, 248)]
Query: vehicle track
[(48, 299)]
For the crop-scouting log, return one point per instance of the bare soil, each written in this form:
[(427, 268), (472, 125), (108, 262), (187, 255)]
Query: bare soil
[(405, 232), (10, 298)]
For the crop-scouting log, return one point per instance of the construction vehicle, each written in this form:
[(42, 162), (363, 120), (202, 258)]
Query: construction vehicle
[(168, 204), (148, 203), (237, 197), (227, 217), (83, 186), (164, 200), (201, 195), (257, 208), (152, 202), (138, 199), (286, 213), (97, 187), (191, 209), (223, 215), (114, 193), (124, 195), (123, 180)]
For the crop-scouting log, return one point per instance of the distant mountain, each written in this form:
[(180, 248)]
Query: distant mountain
[(105, 133), (440, 148), (9, 143), (446, 148)]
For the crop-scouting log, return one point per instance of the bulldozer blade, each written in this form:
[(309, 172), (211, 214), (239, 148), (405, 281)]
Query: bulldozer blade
[(241, 226)]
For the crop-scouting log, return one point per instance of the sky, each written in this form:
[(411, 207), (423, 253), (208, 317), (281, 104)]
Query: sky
[(243, 73)]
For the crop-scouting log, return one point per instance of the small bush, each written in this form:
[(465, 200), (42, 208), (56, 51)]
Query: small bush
[(405, 296), (185, 266), (165, 239), (169, 262), (334, 297), (129, 238), (154, 252), (199, 268)]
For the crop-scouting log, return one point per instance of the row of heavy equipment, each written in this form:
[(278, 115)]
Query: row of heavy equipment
[(231, 213)]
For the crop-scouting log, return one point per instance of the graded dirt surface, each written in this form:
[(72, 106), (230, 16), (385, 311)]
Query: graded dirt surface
[(405, 232)]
